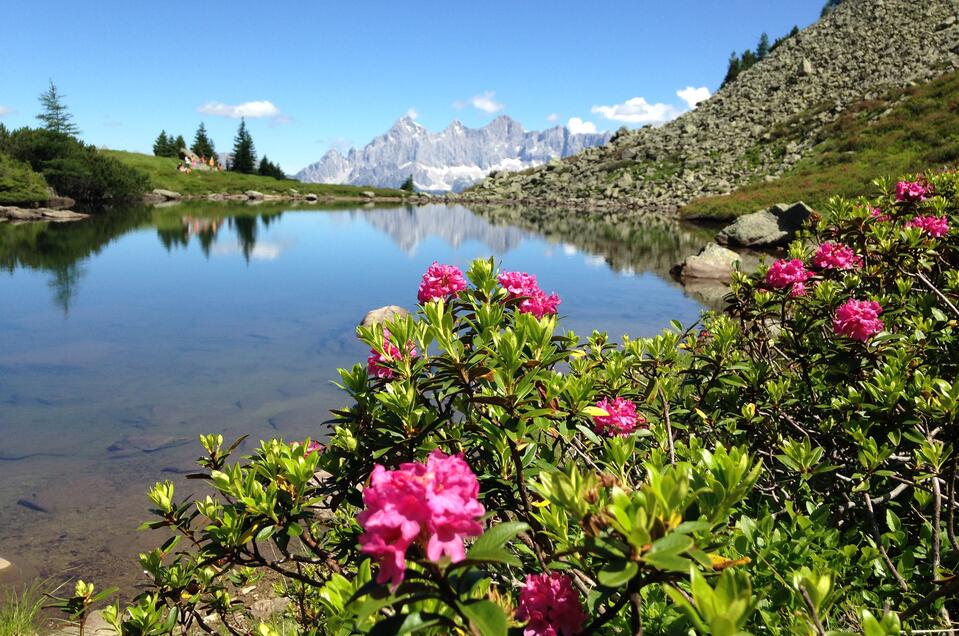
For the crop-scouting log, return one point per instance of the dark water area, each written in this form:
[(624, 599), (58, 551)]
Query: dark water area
[(124, 336)]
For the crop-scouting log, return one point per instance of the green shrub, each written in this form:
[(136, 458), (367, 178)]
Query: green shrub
[(785, 467), (19, 184), (75, 169)]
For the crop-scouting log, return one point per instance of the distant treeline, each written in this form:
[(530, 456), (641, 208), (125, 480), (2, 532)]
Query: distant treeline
[(242, 159), (739, 63)]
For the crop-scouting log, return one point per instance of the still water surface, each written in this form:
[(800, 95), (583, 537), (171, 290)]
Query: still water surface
[(124, 336)]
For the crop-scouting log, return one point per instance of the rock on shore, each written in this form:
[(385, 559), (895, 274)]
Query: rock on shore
[(27, 215)]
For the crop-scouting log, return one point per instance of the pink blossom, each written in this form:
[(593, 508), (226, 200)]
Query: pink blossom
[(936, 226), (622, 419), (550, 605), (376, 362), (535, 301), (313, 447), (440, 281), (909, 191), (876, 214), (836, 256), (798, 289), (783, 274), (858, 319), (518, 283), (433, 505)]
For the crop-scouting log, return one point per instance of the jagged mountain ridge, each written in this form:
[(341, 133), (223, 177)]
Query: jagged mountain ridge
[(449, 160), (859, 51)]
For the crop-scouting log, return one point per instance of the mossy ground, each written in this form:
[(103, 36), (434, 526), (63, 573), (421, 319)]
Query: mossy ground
[(906, 132)]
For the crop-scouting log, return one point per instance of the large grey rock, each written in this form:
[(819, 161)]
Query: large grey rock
[(369, 194), (4, 564), (168, 195), (712, 262), (26, 215), (253, 195), (773, 227), (383, 314)]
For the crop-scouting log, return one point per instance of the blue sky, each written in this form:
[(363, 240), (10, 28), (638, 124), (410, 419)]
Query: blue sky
[(320, 74)]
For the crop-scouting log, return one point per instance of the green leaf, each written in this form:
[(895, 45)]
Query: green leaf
[(486, 617), (617, 573)]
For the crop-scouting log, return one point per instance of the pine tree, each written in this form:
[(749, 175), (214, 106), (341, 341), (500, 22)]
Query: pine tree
[(202, 144), (732, 70), (244, 154), (54, 113), (762, 49), (269, 169), (161, 147), (178, 144), (408, 184)]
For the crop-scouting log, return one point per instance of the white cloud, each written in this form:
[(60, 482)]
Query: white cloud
[(638, 111), (693, 96), (412, 113), (251, 110), (577, 125), (5, 110), (552, 117), (484, 102)]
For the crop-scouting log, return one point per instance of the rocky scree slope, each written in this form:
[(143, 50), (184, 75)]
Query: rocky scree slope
[(451, 159), (743, 133)]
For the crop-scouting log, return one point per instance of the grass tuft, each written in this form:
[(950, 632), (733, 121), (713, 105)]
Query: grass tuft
[(19, 610)]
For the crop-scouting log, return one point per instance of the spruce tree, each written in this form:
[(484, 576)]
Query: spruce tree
[(762, 49), (178, 144), (408, 184), (202, 144), (244, 154), (161, 147), (54, 113), (732, 70)]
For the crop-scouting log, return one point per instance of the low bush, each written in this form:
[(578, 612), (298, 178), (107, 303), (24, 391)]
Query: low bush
[(19, 184), (787, 467), (74, 169)]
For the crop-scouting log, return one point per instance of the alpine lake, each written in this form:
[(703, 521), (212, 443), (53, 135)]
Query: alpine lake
[(126, 335)]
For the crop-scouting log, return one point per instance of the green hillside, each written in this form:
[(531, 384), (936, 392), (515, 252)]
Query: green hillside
[(906, 132), (163, 173)]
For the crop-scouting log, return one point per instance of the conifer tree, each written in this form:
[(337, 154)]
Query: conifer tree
[(54, 113), (244, 154), (161, 147), (762, 49), (202, 144), (269, 169), (732, 70), (408, 184), (178, 144)]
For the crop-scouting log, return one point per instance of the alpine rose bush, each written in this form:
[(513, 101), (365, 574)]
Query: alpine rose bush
[(550, 605), (784, 274), (440, 281), (432, 504), (831, 255), (376, 362), (858, 319), (622, 418), (911, 191), (535, 301), (935, 226)]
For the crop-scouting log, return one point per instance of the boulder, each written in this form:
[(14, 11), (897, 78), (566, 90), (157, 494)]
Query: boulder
[(253, 194), (383, 314), (311, 196), (4, 564), (369, 194), (167, 195), (60, 203), (62, 215), (773, 227), (712, 262)]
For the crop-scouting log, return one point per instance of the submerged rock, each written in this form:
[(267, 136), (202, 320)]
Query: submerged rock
[(4, 564), (25, 215), (383, 314), (773, 227), (712, 262)]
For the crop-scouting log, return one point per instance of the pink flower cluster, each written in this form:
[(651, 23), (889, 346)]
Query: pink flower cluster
[(433, 505), (313, 447), (550, 605), (877, 215), (836, 256), (909, 191), (440, 281), (858, 319), (375, 364), (535, 301), (622, 419), (790, 274), (936, 226)]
